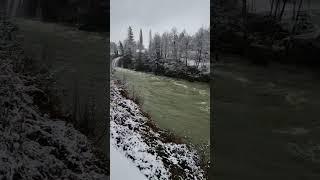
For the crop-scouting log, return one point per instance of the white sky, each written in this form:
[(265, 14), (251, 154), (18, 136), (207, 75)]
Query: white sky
[(157, 15)]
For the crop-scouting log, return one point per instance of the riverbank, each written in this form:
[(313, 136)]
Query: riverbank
[(157, 153), (179, 106), (77, 61), (171, 68), (37, 141)]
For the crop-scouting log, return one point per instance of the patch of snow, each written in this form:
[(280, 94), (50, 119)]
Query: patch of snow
[(33, 145), (154, 156), (122, 168)]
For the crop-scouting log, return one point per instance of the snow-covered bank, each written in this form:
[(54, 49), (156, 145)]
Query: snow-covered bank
[(34, 145), (120, 164), (150, 149)]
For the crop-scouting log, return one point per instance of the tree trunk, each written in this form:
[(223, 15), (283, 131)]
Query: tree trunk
[(186, 57)]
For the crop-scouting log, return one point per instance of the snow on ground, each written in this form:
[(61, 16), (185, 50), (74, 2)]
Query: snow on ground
[(33, 145), (150, 150), (122, 168)]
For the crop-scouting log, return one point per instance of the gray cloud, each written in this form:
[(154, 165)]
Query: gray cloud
[(157, 15)]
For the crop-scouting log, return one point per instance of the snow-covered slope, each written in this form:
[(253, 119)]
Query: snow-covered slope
[(123, 168), (156, 156), (32, 144)]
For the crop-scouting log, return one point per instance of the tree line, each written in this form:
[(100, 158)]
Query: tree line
[(173, 46)]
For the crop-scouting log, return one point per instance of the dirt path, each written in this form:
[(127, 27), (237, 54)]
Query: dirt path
[(266, 123), (79, 60)]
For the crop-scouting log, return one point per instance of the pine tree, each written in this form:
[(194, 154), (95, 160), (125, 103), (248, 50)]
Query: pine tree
[(129, 48), (121, 48), (140, 45), (157, 46), (150, 43), (157, 49), (139, 61), (130, 35)]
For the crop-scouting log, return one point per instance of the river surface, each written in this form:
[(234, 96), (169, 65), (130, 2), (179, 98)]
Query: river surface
[(180, 106), (266, 121)]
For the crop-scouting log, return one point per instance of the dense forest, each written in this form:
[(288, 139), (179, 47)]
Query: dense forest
[(88, 14), (175, 54)]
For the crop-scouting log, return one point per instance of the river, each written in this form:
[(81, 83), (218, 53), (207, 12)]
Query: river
[(267, 124), (177, 105)]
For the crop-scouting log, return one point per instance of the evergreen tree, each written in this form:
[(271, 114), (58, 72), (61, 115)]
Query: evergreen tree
[(140, 59), (121, 48), (129, 49), (140, 45), (130, 35), (150, 43), (157, 46)]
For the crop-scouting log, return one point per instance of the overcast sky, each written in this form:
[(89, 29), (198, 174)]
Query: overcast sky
[(157, 15)]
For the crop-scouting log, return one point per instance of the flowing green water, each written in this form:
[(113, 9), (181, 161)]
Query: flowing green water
[(176, 105)]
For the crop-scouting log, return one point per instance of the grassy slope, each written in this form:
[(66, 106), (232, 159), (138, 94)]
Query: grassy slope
[(74, 56)]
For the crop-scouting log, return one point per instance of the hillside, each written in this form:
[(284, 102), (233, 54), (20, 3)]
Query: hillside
[(36, 140)]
